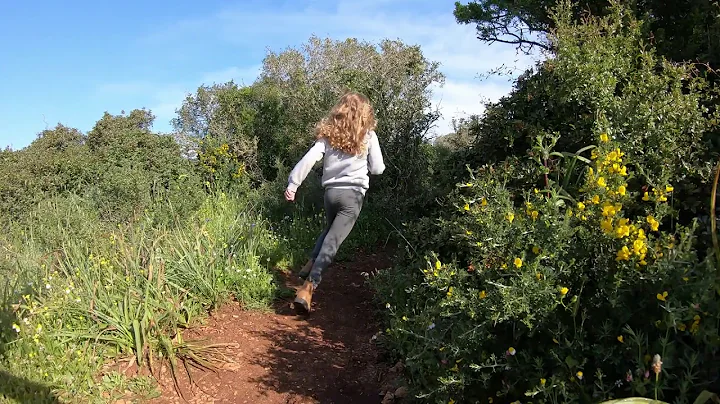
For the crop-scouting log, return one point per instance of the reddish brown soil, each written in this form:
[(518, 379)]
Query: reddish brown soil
[(280, 357)]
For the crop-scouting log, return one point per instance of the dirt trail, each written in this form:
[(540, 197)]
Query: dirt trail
[(327, 357)]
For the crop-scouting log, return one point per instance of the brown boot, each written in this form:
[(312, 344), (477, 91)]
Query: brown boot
[(303, 298), (305, 271)]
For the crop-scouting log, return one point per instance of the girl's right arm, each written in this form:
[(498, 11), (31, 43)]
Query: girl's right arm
[(303, 167)]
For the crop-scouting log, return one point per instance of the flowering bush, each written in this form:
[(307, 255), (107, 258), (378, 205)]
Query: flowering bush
[(557, 296)]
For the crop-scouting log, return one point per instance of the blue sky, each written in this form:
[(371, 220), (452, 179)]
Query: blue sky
[(69, 62)]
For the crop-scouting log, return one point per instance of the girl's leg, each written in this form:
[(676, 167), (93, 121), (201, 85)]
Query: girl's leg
[(346, 204), (330, 213)]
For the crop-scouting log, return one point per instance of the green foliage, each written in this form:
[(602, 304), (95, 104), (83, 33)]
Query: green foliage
[(557, 277), (598, 80), (81, 293)]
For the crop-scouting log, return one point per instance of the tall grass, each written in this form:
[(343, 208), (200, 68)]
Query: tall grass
[(77, 293)]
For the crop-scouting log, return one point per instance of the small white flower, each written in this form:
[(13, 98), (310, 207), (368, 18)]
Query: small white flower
[(16, 328), (26, 320), (387, 305), (47, 286), (67, 291), (431, 326)]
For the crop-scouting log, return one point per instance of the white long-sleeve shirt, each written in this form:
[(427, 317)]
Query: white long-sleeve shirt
[(340, 170)]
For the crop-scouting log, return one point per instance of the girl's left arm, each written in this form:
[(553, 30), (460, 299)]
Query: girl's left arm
[(303, 167)]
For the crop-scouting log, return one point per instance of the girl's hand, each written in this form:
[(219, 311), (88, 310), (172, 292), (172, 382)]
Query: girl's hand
[(289, 195)]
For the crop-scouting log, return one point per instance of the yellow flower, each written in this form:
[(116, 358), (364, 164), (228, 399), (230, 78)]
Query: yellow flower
[(604, 138), (438, 264), (518, 262), (622, 230), (579, 375), (564, 291), (623, 171), (483, 202), (451, 401), (581, 206), (503, 266), (510, 217), (534, 214), (641, 234), (606, 225), (662, 296), (623, 254), (596, 199), (662, 198), (556, 341), (538, 275), (467, 207), (593, 154), (669, 188), (601, 182), (682, 327), (450, 291), (653, 223), (639, 247), (646, 196), (536, 250), (404, 318), (621, 339), (542, 382), (483, 294), (621, 190), (511, 351)]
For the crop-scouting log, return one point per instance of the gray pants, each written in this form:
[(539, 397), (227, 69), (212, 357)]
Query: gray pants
[(342, 208)]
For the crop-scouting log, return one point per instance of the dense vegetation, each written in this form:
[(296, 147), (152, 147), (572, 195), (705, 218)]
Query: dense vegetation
[(549, 249)]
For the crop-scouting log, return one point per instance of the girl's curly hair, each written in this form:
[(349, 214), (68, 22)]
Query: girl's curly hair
[(347, 124)]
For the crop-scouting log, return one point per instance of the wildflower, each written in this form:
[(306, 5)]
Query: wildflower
[(510, 217), (621, 339), (601, 182), (482, 294), (511, 351), (451, 401), (404, 318), (606, 225), (503, 266), (579, 375), (539, 276), (593, 154), (16, 328), (622, 230), (639, 248), (536, 250), (580, 206), (450, 291), (564, 291), (431, 326), (483, 202), (438, 264), (662, 296), (623, 254), (653, 223), (604, 138), (669, 188), (596, 199), (662, 198), (682, 327), (623, 171), (621, 190), (628, 376), (467, 206), (518, 262), (534, 214), (657, 364), (646, 196), (542, 382), (641, 234), (387, 305)]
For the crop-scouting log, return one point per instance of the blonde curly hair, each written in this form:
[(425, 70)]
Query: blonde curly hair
[(347, 124)]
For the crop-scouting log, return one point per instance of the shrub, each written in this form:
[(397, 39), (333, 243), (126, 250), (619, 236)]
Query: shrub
[(562, 298)]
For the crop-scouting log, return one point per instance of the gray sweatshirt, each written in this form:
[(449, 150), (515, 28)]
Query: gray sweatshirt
[(340, 170)]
